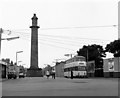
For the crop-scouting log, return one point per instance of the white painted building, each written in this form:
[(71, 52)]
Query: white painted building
[(111, 67)]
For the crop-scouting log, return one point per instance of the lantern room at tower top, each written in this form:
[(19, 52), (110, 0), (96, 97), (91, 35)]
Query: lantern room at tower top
[(34, 21)]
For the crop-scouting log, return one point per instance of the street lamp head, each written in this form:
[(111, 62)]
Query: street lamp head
[(19, 61), (66, 54), (19, 51), (12, 38), (23, 64)]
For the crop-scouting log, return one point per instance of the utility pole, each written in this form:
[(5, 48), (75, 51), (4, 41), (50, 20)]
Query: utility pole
[(87, 57), (16, 55), (1, 31)]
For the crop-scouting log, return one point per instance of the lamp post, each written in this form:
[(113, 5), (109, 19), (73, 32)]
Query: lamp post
[(8, 39), (19, 62), (68, 55), (1, 31), (23, 64), (16, 55), (87, 56)]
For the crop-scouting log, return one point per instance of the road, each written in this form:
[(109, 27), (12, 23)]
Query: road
[(40, 86)]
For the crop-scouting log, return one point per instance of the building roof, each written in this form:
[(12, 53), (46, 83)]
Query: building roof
[(59, 63)]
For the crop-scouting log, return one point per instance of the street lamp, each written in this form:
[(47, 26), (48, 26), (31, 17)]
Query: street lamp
[(19, 62), (68, 55), (23, 64), (16, 55), (8, 39)]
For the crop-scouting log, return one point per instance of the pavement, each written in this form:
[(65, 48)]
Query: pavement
[(41, 86), (1, 80)]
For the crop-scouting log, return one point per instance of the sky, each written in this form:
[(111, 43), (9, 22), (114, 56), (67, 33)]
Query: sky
[(65, 26)]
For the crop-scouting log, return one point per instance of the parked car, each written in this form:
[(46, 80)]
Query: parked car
[(21, 75)]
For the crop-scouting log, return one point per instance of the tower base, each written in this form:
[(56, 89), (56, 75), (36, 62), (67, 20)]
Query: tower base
[(34, 72)]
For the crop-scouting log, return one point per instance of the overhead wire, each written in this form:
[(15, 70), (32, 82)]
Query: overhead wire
[(75, 27), (44, 43), (53, 42), (57, 46), (73, 38), (67, 42), (63, 37), (55, 39), (78, 27), (25, 38), (59, 42)]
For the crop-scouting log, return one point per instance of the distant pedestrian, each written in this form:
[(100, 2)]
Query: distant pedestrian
[(47, 74), (71, 74), (53, 74)]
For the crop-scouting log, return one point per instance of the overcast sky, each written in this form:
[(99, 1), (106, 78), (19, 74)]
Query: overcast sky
[(65, 26)]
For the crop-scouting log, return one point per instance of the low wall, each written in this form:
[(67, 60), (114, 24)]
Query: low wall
[(112, 74)]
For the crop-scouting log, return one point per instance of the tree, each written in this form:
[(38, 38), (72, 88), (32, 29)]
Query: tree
[(113, 47), (93, 52), (7, 60)]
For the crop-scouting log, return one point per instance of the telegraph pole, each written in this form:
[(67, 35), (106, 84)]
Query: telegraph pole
[(1, 31), (87, 57)]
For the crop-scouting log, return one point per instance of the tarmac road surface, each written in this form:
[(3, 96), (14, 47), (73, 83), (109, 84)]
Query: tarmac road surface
[(41, 86)]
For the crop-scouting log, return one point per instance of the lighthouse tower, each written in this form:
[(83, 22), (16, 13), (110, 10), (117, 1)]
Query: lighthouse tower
[(34, 43), (119, 20), (34, 70)]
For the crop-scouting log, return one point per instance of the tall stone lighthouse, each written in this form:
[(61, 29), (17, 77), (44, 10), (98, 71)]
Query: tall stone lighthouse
[(34, 70), (119, 20)]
